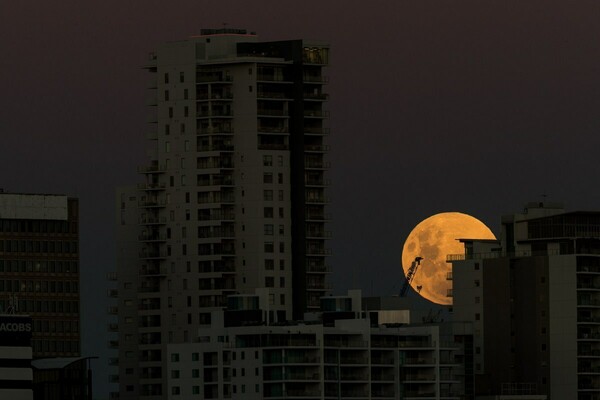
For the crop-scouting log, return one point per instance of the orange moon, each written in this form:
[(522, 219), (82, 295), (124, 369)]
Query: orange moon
[(433, 239)]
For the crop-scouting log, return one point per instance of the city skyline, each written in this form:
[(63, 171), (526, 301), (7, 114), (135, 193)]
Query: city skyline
[(466, 107)]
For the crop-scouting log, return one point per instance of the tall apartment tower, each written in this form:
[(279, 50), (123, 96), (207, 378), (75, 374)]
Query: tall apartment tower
[(233, 198), (39, 269), (534, 300)]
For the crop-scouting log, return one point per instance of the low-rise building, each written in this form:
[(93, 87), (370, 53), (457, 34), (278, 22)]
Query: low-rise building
[(330, 358)]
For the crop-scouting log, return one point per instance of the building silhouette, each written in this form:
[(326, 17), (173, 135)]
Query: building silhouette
[(534, 300), (233, 197)]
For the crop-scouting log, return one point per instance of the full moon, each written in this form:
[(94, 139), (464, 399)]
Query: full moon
[(433, 239)]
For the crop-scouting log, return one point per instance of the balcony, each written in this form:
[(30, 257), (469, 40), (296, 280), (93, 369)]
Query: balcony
[(150, 254), (318, 251), (278, 78), (273, 129), (214, 77), (113, 344), (215, 95), (151, 186), (317, 216), (316, 114), (152, 169), (113, 327), (318, 286), (265, 112), (215, 113), (216, 129), (153, 270), (316, 96), (113, 361), (316, 148), (318, 182), (150, 203), (152, 237), (113, 310), (215, 147), (271, 95), (310, 164), (316, 79), (114, 293), (318, 269), (316, 200), (318, 234), (151, 220)]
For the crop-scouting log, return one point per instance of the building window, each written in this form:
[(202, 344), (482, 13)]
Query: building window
[(268, 212), (477, 317), (181, 77), (269, 247), (175, 374), (267, 177), (281, 265), (268, 195), (281, 282), (269, 281), (282, 299), (166, 77), (167, 129), (269, 264), (280, 212), (269, 229), (170, 112), (267, 160), (175, 390), (280, 178), (174, 357), (167, 147), (186, 111), (185, 94), (166, 95), (280, 197)]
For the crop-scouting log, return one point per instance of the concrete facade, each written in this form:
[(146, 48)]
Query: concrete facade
[(532, 298), (233, 198), (345, 358)]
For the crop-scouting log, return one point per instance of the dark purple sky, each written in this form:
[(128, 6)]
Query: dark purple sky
[(472, 106)]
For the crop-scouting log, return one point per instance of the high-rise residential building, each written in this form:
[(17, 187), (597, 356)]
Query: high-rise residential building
[(233, 197), (39, 269), (534, 300)]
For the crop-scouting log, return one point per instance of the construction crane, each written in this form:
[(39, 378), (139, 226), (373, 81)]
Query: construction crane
[(410, 274)]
